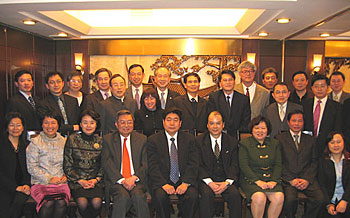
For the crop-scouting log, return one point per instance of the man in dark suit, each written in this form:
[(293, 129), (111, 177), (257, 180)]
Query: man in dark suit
[(194, 108), (135, 90), (269, 79), (299, 158), (124, 162), (337, 81), (218, 169), (173, 166), (346, 122), (232, 105), (300, 93), (24, 102), (102, 77), (162, 77), (278, 111), (322, 115), (109, 107), (64, 105)]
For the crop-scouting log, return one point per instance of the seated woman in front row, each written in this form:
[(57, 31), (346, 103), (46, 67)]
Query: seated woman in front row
[(45, 165), (261, 166), (82, 165), (334, 177)]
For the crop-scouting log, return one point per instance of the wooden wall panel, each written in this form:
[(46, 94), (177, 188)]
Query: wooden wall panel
[(292, 65), (82, 46)]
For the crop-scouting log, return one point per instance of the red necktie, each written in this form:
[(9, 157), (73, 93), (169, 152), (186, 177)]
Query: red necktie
[(317, 116), (126, 161), (247, 93)]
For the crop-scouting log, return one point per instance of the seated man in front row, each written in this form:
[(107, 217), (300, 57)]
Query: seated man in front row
[(125, 166), (299, 158), (173, 166), (218, 169)]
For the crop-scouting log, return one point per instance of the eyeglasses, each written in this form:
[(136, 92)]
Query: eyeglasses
[(75, 81), (247, 71)]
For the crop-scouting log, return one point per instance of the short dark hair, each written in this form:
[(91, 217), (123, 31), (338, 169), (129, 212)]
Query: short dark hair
[(226, 72), (54, 115), (150, 92), (103, 70), (317, 77), (256, 120), (290, 114), (191, 74), (134, 66), (300, 72), (115, 76), (280, 84), (93, 114), (11, 115), (172, 110), (329, 138), (73, 74), (123, 112), (51, 74), (269, 70), (337, 73), (21, 72)]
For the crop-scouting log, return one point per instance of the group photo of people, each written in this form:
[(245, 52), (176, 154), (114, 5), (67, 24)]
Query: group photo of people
[(129, 149)]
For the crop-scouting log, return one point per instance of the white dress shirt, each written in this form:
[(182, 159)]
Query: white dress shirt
[(251, 89)]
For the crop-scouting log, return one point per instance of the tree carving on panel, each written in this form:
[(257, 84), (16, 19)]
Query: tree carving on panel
[(337, 62), (214, 64)]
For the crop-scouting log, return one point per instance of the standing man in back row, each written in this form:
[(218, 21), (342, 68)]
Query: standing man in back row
[(300, 93), (135, 90), (258, 95), (337, 81), (269, 79)]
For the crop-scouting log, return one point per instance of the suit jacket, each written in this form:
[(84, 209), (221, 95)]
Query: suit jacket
[(170, 97), (260, 101), (300, 163), (331, 121), (271, 113), (189, 120), (327, 179), (128, 92), (49, 104), (159, 159), (346, 121), (229, 152), (92, 101), (112, 157), (109, 108), (343, 97), (18, 103), (238, 118)]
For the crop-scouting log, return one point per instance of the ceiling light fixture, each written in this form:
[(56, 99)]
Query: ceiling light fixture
[(283, 20), (263, 34), (62, 34), (324, 34), (29, 22)]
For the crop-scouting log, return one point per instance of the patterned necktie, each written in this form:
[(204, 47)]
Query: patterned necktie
[(174, 164), (247, 93), (282, 113), (296, 141), (126, 161), (317, 117), (107, 95), (335, 98), (162, 100), (137, 98), (63, 111), (217, 149), (31, 102)]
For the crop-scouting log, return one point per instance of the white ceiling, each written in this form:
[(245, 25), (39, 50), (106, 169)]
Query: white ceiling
[(304, 15)]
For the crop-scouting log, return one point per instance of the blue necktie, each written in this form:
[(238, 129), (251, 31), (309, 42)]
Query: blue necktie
[(174, 164)]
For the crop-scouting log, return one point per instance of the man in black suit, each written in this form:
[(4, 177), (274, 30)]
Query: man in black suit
[(346, 122), (64, 105), (92, 101), (124, 162), (194, 108), (232, 105), (24, 102), (322, 115), (300, 93), (218, 169), (299, 172), (136, 74), (269, 79), (162, 77), (173, 166), (337, 82), (109, 107)]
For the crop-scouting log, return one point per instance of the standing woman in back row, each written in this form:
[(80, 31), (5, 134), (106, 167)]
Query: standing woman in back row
[(14, 177)]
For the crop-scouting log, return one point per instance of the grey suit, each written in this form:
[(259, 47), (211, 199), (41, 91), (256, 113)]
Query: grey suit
[(260, 100), (272, 114), (343, 97), (111, 163)]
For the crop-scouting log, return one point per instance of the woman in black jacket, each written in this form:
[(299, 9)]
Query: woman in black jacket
[(334, 177), (150, 116), (14, 177)]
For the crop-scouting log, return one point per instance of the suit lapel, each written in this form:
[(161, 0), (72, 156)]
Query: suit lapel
[(134, 150), (223, 106), (187, 104), (200, 106), (27, 104), (164, 149), (116, 149), (258, 94)]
